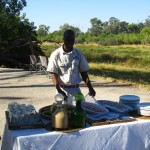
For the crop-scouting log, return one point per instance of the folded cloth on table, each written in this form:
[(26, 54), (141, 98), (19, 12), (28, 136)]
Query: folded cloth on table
[(115, 106), (99, 117)]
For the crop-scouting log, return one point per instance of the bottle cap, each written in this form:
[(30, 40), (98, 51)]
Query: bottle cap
[(59, 97), (79, 96)]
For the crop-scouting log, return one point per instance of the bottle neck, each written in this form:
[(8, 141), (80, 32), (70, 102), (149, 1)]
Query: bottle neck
[(78, 104), (59, 105)]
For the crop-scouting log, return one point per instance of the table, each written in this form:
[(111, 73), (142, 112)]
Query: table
[(124, 136)]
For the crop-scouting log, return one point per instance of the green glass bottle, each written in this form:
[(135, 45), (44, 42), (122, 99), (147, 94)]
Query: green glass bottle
[(78, 114)]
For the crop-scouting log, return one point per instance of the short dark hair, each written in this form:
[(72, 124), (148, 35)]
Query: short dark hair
[(69, 32)]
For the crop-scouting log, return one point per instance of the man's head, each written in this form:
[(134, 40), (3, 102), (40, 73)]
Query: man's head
[(69, 39)]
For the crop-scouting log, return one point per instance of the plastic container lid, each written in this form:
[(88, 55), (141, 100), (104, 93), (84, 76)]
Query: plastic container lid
[(130, 98)]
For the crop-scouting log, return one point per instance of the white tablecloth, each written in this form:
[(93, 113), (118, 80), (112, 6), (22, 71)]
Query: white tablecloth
[(123, 136)]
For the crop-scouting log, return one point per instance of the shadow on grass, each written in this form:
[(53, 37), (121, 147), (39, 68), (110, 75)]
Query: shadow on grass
[(133, 76)]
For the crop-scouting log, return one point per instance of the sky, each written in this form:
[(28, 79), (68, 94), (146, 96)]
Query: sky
[(78, 13)]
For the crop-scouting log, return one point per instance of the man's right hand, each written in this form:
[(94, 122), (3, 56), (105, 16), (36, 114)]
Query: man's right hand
[(56, 83)]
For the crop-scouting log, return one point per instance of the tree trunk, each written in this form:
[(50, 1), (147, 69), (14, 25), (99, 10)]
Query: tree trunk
[(31, 46)]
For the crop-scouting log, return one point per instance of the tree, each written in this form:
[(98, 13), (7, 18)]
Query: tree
[(146, 35), (112, 20), (12, 26), (66, 26), (16, 32), (81, 38), (123, 27), (43, 30), (134, 28), (96, 27), (147, 21), (114, 26), (11, 7), (9, 16)]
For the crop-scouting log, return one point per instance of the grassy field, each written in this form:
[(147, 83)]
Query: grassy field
[(125, 63)]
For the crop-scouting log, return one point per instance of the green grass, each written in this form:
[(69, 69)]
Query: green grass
[(137, 77), (125, 63), (124, 55), (48, 48)]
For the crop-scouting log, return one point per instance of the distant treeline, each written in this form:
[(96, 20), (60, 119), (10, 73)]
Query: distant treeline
[(16, 30), (112, 32)]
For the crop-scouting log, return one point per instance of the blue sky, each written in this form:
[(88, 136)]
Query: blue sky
[(55, 13)]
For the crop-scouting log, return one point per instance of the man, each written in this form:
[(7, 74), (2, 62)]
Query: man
[(69, 67)]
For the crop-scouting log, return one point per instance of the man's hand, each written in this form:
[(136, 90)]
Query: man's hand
[(86, 79), (92, 92), (56, 83)]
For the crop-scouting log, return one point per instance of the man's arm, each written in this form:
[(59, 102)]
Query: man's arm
[(86, 79), (56, 84)]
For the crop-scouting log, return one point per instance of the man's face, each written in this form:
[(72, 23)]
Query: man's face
[(69, 40)]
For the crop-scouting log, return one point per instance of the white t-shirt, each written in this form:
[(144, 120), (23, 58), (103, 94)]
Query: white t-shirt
[(68, 65)]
